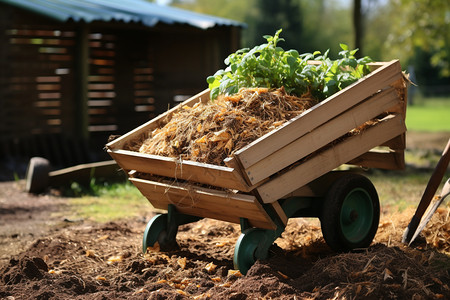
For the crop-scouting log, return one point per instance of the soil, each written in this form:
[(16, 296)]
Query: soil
[(44, 256)]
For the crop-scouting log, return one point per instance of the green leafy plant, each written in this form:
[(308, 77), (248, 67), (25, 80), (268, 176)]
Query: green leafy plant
[(269, 65)]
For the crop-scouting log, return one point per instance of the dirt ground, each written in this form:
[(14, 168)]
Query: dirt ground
[(44, 256)]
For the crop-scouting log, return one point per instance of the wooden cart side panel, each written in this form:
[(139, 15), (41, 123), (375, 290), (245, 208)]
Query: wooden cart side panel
[(187, 170), (206, 203), (319, 114), (322, 135), (331, 158), (149, 126)]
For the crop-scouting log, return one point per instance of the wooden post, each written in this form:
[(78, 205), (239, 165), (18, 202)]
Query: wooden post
[(81, 130)]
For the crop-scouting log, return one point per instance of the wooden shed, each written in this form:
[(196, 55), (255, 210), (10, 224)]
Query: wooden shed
[(73, 72)]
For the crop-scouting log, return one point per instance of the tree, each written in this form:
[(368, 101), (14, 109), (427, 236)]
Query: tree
[(268, 16), (358, 25), (424, 25)]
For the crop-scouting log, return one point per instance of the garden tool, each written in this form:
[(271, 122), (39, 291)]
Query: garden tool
[(437, 200), (412, 230)]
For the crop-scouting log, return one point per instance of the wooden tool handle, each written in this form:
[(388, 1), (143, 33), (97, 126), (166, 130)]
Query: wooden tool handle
[(428, 194), (434, 182)]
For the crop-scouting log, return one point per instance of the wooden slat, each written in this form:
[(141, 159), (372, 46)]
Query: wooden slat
[(156, 122), (187, 170), (319, 114), (84, 172), (204, 202), (382, 160), (331, 158), (397, 143), (322, 135), (280, 212)]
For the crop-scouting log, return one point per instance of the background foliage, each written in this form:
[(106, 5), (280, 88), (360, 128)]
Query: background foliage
[(416, 32)]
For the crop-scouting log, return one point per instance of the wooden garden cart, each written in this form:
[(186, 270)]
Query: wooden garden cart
[(289, 172)]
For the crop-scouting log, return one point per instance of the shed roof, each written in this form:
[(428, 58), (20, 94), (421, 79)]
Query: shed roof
[(139, 11)]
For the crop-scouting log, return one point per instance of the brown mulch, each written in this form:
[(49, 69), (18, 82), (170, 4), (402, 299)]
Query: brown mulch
[(210, 132), (104, 261)]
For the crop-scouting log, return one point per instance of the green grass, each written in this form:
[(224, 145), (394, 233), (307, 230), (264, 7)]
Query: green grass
[(429, 114), (399, 190), (103, 202)]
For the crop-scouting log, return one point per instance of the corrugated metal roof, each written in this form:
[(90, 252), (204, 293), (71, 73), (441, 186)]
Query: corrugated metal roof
[(139, 11)]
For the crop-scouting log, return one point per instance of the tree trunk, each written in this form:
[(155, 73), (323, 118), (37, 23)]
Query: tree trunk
[(358, 26)]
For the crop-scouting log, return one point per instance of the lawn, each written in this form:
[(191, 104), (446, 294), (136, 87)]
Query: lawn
[(429, 114), (103, 202)]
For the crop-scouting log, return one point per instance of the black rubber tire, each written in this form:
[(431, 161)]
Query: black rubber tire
[(37, 176), (331, 216)]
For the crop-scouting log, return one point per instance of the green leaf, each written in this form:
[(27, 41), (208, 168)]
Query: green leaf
[(344, 47), (210, 79), (214, 93), (353, 52)]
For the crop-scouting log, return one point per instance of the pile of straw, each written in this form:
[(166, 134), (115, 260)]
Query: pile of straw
[(210, 132)]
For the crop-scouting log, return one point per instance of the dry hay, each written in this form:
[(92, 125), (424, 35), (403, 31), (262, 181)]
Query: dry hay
[(210, 132), (437, 231)]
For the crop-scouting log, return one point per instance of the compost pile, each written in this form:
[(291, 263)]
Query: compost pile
[(210, 132), (103, 261)]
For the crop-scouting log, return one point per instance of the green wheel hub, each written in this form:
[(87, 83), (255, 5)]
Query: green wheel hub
[(163, 229), (250, 247), (356, 216), (155, 231)]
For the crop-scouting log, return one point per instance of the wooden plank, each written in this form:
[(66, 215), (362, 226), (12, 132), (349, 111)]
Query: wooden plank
[(321, 136), (180, 169), (204, 202), (84, 172), (382, 160), (330, 158), (156, 122), (319, 114), (397, 143), (280, 212)]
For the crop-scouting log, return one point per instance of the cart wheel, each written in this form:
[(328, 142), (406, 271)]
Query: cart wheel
[(350, 213), (156, 231), (248, 249), (37, 176)]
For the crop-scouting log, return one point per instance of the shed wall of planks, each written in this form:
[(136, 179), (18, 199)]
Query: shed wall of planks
[(132, 74)]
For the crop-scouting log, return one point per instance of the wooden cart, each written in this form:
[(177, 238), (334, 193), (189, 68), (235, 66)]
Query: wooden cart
[(286, 173)]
